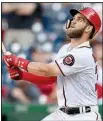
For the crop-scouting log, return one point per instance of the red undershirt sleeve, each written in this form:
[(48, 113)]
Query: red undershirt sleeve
[(37, 79)]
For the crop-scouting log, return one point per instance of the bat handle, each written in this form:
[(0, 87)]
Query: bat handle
[(4, 50)]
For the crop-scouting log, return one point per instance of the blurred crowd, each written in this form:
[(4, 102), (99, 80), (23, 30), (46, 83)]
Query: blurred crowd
[(36, 31)]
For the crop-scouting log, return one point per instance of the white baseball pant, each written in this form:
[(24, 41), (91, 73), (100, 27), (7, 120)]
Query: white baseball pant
[(58, 115)]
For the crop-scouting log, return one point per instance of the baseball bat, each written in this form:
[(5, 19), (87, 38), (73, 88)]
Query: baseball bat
[(4, 49)]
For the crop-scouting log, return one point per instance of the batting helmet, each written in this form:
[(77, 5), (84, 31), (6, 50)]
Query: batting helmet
[(91, 15)]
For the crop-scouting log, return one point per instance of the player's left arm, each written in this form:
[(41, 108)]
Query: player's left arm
[(41, 69)]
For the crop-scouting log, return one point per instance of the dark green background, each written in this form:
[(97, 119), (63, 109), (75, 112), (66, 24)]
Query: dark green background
[(17, 112)]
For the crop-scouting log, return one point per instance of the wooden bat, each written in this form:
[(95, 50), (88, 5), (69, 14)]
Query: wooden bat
[(4, 49)]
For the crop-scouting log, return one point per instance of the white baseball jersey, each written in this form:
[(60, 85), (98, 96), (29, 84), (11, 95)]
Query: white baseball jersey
[(76, 85)]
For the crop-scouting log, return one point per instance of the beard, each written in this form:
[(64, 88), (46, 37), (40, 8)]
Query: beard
[(75, 33)]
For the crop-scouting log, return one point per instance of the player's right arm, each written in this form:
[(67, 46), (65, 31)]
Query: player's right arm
[(17, 74)]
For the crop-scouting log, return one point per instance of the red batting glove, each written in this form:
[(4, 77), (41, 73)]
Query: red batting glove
[(14, 73), (12, 60), (17, 74)]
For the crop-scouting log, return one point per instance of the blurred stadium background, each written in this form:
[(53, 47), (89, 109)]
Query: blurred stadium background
[(36, 31)]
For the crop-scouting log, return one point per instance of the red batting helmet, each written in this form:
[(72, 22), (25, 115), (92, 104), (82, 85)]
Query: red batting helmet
[(91, 15)]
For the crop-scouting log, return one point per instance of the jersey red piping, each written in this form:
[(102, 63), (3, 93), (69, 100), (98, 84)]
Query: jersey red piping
[(84, 46), (59, 68), (97, 116), (64, 96)]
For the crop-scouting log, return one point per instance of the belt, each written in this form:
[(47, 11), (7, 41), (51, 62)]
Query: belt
[(77, 110)]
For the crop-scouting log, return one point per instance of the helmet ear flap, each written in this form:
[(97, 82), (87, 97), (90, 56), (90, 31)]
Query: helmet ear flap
[(68, 24)]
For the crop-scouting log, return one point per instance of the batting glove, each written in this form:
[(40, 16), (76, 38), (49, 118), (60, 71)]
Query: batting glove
[(12, 60), (14, 73)]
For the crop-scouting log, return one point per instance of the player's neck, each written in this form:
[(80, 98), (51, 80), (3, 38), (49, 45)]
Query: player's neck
[(76, 42)]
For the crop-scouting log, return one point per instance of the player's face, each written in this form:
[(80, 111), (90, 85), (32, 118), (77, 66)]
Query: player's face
[(77, 26)]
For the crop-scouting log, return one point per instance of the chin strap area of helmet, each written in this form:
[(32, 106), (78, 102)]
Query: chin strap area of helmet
[(68, 24)]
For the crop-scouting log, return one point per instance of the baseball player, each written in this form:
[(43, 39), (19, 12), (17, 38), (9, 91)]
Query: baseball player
[(75, 68)]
